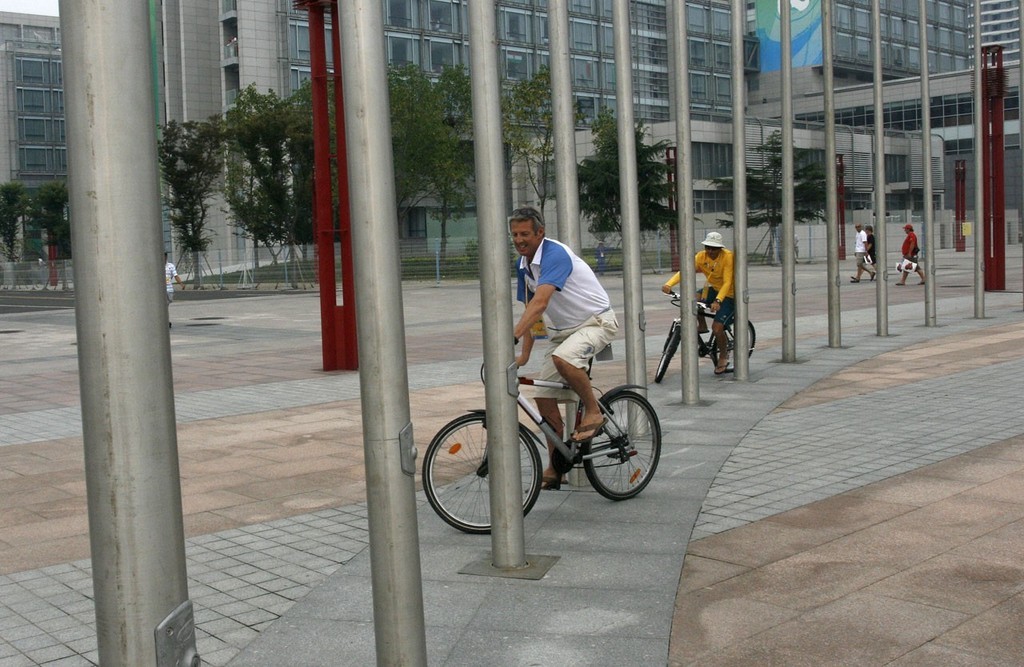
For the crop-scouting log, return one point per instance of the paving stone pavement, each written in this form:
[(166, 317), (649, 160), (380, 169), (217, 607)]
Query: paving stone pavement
[(749, 451)]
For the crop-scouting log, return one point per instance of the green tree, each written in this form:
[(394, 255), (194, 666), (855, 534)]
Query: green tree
[(14, 204), (528, 131), (430, 133), (268, 187), (49, 211), (764, 189), (191, 157), (600, 199)]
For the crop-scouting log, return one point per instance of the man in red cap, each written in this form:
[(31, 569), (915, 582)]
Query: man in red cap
[(910, 253)]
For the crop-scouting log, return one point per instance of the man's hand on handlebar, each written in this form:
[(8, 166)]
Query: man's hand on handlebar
[(667, 289)]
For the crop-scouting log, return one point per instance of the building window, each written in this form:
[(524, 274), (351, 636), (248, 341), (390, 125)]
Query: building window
[(516, 25), (607, 40), (723, 56), (699, 87), (402, 50), (33, 71), (298, 76), (35, 158), (584, 72), (587, 106), (723, 89), (442, 54), (698, 53), (584, 35), (443, 16), (517, 65), (582, 6), (33, 100), (400, 13), (696, 20), (720, 23), (298, 41), (33, 130)]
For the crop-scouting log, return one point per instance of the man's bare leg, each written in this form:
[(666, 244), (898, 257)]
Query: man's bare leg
[(718, 331), (548, 409), (578, 379)]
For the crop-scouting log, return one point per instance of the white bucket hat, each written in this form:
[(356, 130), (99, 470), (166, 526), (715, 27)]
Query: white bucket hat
[(714, 240)]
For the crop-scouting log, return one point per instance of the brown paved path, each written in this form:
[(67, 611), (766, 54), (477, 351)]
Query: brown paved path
[(925, 567)]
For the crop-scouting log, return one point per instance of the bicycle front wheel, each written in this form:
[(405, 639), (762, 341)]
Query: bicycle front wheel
[(671, 345), (621, 461), (456, 475)]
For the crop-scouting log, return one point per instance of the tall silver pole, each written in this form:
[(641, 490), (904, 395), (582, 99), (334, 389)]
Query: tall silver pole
[(383, 373), (788, 204), (881, 243), (507, 540), (832, 203), (1020, 209), (979, 173), (678, 38), (124, 355), (633, 297), (931, 243), (563, 109), (741, 365)]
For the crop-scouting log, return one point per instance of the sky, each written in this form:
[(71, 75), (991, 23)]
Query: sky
[(47, 7)]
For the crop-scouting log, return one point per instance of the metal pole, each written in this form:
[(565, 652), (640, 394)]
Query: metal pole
[(383, 375), (881, 243), (678, 38), (563, 109), (788, 203), (928, 217), (1020, 120), (136, 532), (832, 203), (507, 538), (633, 298), (741, 365), (979, 172)]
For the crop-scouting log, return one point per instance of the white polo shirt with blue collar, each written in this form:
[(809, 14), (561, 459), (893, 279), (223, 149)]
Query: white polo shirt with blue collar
[(578, 293)]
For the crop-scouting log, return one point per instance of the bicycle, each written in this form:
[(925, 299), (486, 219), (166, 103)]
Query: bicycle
[(707, 346), (619, 461)]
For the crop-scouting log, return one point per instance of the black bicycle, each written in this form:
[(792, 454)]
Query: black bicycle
[(706, 344)]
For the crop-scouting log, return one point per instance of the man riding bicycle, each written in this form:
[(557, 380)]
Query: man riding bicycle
[(555, 284), (715, 262)]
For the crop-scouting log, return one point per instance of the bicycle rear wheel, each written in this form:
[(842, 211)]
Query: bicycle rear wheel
[(456, 475), (621, 461), (671, 345), (731, 338)]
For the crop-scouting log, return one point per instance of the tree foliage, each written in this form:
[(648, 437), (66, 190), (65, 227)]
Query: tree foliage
[(431, 125), (764, 186), (600, 199), (528, 131), (14, 204), (268, 186), (49, 211), (191, 159)]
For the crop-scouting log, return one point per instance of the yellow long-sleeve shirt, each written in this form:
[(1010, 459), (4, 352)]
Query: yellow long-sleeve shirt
[(719, 272)]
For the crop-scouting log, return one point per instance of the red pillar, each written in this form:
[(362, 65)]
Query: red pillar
[(960, 204), (338, 338), (673, 230), (993, 159), (841, 205)]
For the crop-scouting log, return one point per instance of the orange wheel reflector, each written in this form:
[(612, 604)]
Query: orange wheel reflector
[(454, 449), (635, 476)]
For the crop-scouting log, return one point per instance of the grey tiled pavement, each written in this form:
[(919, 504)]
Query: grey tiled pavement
[(296, 591)]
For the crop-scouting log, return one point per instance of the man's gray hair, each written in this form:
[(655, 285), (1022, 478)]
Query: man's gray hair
[(528, 213)]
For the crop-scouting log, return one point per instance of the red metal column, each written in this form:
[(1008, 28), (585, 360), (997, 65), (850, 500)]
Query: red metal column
[(960, 204), (841, 205), (338, 349), (994, 92), (347, 312), (673, 230)]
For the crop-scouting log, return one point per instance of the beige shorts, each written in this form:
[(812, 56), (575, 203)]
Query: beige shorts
[(576, 346)]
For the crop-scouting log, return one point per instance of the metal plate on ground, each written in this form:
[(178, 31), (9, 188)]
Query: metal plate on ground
[(536, 567)]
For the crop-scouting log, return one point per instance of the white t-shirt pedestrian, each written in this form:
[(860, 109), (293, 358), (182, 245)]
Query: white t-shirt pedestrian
[(861, 243)]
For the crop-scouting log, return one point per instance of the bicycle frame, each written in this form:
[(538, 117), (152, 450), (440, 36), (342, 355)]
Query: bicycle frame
[(568, 448)]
